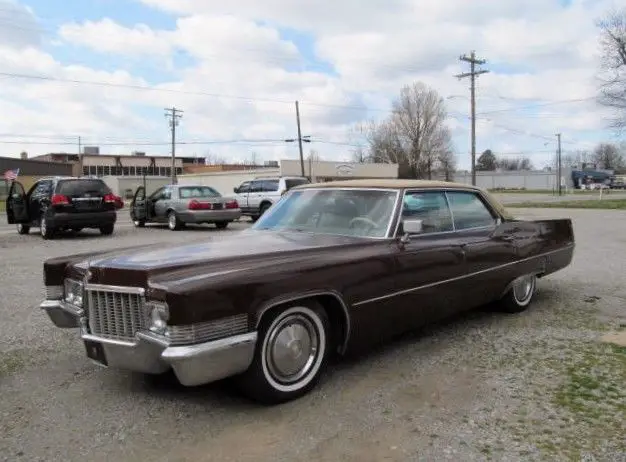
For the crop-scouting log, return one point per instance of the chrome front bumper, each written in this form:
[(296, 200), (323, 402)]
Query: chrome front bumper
[(151, 354)]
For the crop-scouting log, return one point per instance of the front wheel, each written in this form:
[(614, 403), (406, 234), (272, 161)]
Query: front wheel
[(221, 224), (290, 354), (519, 296), (139, 223), (173, 222), (22, 228)]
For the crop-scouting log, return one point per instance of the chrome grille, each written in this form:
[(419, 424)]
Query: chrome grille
[(115, 315), (209, 330)]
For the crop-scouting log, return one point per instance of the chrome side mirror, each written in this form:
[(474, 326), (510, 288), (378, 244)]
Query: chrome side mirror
[(410, 227)]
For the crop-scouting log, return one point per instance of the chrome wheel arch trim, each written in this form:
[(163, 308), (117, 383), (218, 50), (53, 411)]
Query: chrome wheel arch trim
[(259, 313)]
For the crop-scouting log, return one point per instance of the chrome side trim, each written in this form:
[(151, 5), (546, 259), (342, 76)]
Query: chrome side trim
[(118, 289), (458, 278), (279, 301)]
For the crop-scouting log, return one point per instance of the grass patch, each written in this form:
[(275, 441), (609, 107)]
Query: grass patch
[(606, 204)]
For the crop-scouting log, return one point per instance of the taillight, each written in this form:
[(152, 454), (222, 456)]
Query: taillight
[(232, 204), (109, 198), (59, 199), (195, 205)]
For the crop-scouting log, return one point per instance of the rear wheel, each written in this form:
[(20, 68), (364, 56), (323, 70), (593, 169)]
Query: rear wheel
[(520, 295), (221, 224), (47, 232), (139, 223), (22, 228), (264, 208), (291, 353), (107, 230)]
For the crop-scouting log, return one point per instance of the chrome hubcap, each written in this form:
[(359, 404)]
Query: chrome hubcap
[(522, 287), (43, 226), (292, 348), (172, 221)]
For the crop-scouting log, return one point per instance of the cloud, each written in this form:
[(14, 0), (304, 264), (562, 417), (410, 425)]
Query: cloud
[(537, 51)]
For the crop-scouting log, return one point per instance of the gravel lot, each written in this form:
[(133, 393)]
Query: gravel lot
[(535, 386)]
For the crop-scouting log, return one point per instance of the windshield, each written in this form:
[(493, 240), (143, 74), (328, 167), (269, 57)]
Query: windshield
[(348, 212), (190, 192)]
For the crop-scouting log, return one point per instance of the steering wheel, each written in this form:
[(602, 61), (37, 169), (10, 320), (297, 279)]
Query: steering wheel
[(365, 220)]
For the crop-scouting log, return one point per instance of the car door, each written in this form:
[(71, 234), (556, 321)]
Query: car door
[(255, 195), (429, 265), (242, 196), (39, 198), (138, 209), (162, 203), (17, 205), (485, 250)]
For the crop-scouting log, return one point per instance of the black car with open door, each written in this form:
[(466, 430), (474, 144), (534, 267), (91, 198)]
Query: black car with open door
[(61, 204)]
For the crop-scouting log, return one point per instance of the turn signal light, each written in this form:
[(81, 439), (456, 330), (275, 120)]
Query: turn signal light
[(195, 205), (232, 204)]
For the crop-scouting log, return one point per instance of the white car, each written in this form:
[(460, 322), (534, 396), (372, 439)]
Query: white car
[(256, 196)]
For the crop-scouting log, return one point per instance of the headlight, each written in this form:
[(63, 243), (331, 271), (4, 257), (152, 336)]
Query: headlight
[(73, 292), (159, 315)]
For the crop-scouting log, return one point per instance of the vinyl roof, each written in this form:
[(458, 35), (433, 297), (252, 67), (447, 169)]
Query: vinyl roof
[(387, 183)]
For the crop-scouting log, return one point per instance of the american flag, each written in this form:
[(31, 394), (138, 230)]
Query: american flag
[(10, 175)]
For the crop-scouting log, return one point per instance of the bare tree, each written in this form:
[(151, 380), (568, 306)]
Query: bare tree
[(211, 158), (608, 156), (513, 164), (613, 43), (415, 135)]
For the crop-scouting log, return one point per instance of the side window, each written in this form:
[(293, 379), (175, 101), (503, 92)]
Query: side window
[(431, 207), (167, 194), (256, 186), (244, 188), (42, 189), (270, 185), (469, 211), (156, 195)]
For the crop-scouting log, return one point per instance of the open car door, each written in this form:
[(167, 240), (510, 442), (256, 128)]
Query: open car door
[(139, 207), (16, 205)]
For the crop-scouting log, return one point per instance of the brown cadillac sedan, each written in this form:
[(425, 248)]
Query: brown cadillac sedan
[(330, 268)]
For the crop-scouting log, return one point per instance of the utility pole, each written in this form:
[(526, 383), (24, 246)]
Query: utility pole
[(558, 161), (472, 74), (301, 139), (173, 115), (80, 159)]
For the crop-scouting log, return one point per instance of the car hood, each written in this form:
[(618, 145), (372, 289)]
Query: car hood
[(134, 267)]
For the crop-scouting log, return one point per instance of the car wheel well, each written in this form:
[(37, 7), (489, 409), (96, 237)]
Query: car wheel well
[(264, 203), (333, 306)]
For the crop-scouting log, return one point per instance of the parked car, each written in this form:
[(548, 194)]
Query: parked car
[(331, 268), (256, 196), (178, 205), (62, 203)]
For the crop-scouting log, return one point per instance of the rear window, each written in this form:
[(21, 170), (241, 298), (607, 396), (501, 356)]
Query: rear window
[(290, 183), (197, 192), (83, 187)]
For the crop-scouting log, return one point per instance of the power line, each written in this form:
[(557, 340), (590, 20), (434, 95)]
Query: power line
[(532, 106), (473, 74)]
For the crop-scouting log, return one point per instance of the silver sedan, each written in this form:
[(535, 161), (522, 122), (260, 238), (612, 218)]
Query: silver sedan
[(179, 204)]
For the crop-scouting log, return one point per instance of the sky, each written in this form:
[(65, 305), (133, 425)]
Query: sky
[(104, 70)]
